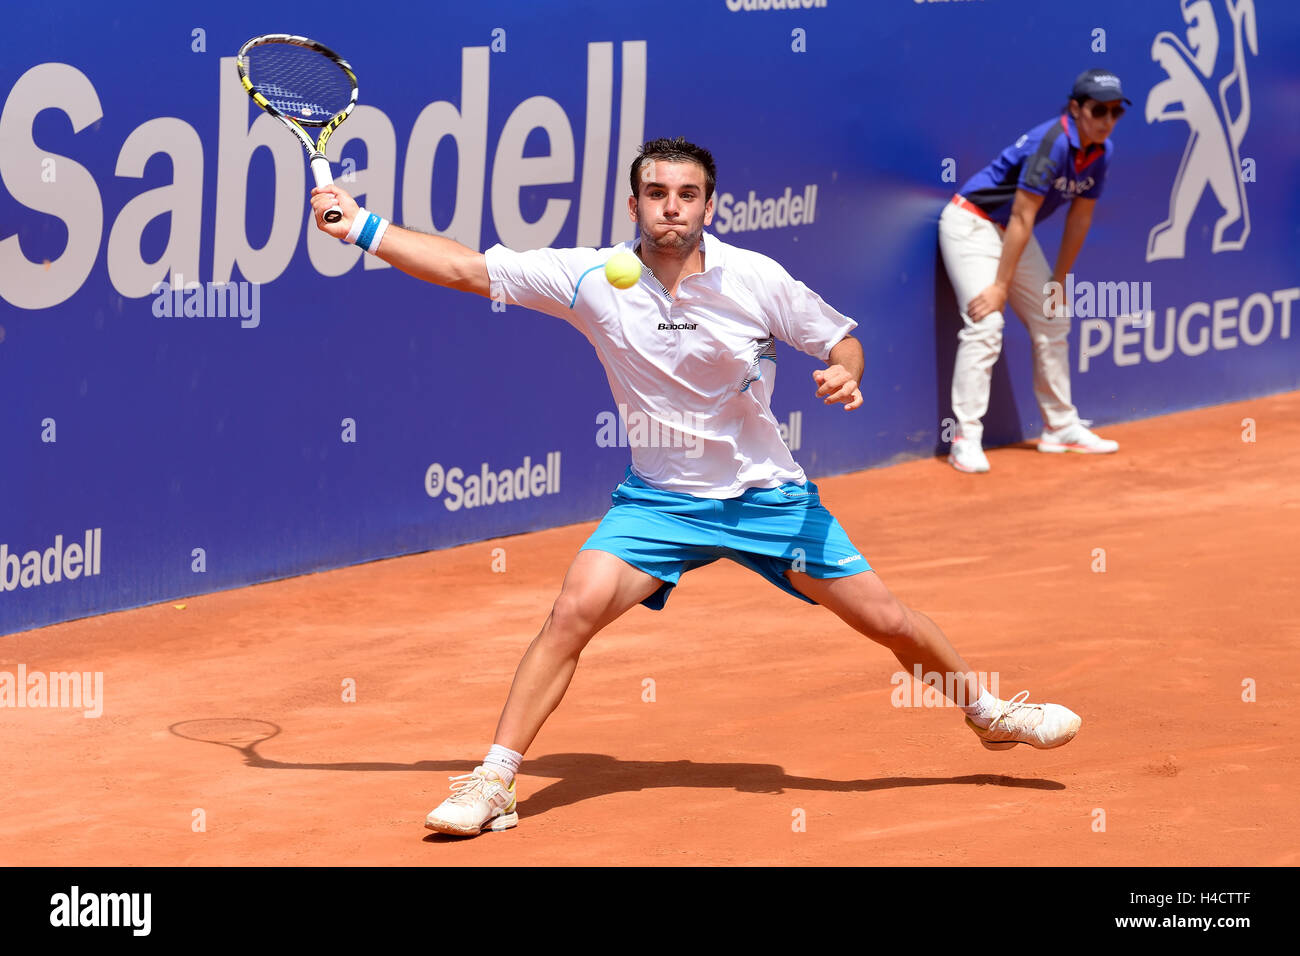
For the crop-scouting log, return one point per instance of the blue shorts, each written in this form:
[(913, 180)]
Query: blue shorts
[(768, 530)]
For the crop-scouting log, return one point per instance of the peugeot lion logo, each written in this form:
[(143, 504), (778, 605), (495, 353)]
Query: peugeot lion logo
[(1215, 128)]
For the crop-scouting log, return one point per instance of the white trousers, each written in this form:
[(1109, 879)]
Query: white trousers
[(972, 248)]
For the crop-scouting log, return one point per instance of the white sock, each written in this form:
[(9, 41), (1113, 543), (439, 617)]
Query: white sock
[(981, 712), (504, 761)]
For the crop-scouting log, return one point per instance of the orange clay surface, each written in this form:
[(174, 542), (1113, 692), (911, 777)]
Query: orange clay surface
[(765, 710)]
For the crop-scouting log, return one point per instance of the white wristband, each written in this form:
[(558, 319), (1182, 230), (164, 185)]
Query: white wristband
[(358, 221), (367, 230), (373, 248)]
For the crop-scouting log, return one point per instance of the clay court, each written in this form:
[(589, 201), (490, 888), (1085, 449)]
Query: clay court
[(762, 706)]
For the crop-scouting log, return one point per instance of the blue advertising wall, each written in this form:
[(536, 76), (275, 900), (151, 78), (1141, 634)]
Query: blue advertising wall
[(181, 453)]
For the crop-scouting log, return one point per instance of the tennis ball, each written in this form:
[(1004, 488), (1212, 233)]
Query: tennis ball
[(623, 270)]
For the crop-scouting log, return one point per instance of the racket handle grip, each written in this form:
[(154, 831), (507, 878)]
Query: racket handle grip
[(320, 169)]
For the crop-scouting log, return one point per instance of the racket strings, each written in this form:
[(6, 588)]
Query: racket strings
[(299, 82)]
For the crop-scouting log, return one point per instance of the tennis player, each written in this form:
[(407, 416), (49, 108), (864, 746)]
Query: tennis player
[(692, 347)]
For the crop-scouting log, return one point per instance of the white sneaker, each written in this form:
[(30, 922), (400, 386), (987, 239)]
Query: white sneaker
[(1018, 722), (966, 455), (1077, 438), (479, 801)]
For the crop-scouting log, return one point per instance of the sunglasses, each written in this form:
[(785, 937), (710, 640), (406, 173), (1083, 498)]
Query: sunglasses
[(1098, 110)]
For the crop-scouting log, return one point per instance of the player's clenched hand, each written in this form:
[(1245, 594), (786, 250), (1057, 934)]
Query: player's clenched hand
[(835, 384), (323, 199), (987, 302)]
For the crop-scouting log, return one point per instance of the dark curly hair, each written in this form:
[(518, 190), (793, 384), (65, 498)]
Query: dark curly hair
[(674, 151)]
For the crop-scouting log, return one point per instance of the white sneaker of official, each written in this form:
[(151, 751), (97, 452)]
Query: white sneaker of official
[(1075, 438), (966, 455)]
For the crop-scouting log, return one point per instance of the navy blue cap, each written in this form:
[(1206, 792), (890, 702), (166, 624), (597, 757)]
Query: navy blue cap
[(1100, 85)]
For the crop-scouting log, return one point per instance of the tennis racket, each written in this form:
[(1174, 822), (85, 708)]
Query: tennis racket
[(300, 83)]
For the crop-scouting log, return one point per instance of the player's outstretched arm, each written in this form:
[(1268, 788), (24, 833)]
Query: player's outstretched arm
[(435, 259)]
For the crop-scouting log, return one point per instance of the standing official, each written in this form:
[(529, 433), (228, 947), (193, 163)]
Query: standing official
[(986, 237)]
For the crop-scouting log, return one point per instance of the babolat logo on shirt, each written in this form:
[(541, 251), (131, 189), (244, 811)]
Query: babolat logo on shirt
[(56, 563), (677, 326), (490, 487)]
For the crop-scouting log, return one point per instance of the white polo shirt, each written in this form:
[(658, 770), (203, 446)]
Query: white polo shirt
[(692, 375)]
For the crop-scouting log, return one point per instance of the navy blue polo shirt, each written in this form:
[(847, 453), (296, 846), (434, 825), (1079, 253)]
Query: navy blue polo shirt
[(1047, 161)]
